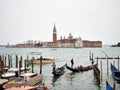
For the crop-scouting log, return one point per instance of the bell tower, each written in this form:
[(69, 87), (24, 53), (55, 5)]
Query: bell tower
[(54, 34)]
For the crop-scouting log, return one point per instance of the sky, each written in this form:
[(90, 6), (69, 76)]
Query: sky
[(22, 20)]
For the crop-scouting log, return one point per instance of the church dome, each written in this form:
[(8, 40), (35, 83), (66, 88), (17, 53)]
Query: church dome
[(70, 36)]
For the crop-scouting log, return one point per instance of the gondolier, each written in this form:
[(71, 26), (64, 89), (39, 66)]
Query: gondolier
[(54, 66), (58, 71)]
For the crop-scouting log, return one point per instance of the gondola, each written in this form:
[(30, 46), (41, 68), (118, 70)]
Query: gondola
[(79, 68), (59, 71), (97, 73), (109, 87), (115, 73)]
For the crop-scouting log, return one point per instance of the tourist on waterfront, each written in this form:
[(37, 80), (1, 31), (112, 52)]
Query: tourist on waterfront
[(72, 63)]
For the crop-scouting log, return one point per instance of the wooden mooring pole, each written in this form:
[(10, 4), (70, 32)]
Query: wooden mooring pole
[(16, 61), (118, 63), (21, 60), (27, 60), (32, 65), (3, 57), (97, 60), (25, 65), (1, 63), (101, 70), (107, 67), (90, 55), (5, 61), (9, 66), (41, 65), (20, 67), (114, 63), (11, 61), (2, 69), (92, 59)]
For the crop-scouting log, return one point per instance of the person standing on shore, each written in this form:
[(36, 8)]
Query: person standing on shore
[(72, 63)]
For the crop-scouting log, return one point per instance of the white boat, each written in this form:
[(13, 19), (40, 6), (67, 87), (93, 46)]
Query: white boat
[(35, 53), (3, 81), (11, 72), (31, 78), (37, 60), (44, 61), (24, 79)]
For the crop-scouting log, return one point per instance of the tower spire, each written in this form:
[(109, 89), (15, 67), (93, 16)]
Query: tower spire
[(54, 28), (54, 34)]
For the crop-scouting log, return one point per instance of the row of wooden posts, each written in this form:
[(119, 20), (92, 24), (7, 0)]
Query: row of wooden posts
[(105, 58), (97, 72), (3, 63), (4, 58)]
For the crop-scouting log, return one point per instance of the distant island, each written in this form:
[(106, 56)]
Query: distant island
[(117, 45), (63, 42)]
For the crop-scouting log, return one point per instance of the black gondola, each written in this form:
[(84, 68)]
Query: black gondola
[(79, 68), (59, 71), (115, 73)]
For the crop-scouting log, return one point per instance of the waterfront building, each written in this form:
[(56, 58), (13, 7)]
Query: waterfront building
[(70, 42), (87, 43)]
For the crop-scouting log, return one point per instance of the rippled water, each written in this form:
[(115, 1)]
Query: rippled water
[(69, 81)]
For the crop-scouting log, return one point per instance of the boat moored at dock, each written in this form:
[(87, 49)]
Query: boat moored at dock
[(2, 82), (12, 71), (44, 61), (115, 73)]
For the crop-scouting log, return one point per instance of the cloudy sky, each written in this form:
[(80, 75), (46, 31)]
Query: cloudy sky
[(22, 20)]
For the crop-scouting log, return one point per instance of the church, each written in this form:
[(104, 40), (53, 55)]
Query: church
[(70, 42)]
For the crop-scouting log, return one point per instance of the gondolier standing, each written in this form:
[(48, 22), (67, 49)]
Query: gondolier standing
[(54, 66), (72, 63)]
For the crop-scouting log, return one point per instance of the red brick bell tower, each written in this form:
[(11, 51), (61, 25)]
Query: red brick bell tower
[(54, 34)]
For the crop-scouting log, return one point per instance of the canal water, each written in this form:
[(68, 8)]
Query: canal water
[(69, 81)]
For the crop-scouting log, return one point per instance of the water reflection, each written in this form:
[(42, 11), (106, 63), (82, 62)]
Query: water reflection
[(71, 77), (54, 79)]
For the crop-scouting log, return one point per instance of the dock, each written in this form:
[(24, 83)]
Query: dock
[(34, 80), (27, 78), (99, 74)]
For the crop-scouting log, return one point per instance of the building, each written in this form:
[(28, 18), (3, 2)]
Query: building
[(87, 43), (70, 42), (26, 44)]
